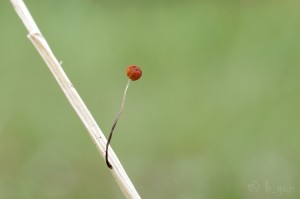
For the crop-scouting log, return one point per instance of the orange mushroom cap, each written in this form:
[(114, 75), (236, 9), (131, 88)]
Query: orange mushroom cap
[(134, 72)]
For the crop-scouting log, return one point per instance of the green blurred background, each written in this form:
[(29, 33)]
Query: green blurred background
[(215, 115)]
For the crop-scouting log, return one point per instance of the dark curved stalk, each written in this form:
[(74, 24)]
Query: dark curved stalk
[(114, 125)]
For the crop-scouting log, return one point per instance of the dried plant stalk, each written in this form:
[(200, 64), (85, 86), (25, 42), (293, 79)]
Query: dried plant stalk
[(89, 122)]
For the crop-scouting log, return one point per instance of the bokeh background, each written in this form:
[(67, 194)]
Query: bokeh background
[(215, 115)]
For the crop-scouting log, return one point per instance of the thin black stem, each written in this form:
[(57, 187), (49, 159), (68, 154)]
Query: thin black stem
[(109, 139), (114, 125)]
